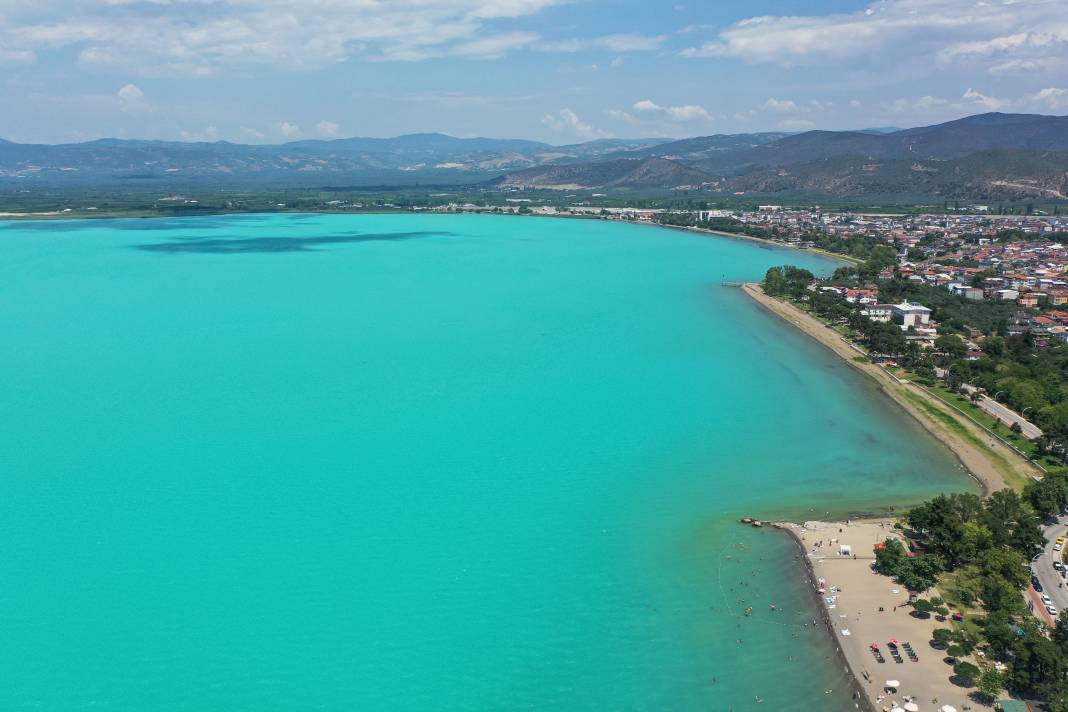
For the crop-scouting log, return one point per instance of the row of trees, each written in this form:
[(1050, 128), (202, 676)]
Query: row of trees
[(1031, 380)]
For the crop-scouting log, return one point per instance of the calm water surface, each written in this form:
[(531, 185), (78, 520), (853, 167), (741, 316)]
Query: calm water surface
[(416, 463)]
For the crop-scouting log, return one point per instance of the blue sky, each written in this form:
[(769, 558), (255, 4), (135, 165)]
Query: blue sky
[(267, 71)]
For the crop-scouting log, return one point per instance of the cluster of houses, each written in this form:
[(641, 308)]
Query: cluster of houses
[(902, 231), (914, 319), (961, 253), (1032, 274)]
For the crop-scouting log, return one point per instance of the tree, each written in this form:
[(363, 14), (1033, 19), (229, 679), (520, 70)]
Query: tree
[(967, 673), (920, 573), (993, 346), (889, 558), (942, 636), (966, 637), (1012, 522), (923, 608), (942, 520), (975, 540), (787, 281), (1049, 495), (951, 346), (990, 685), (1060, 634), (1039, 665), (1005, 564)]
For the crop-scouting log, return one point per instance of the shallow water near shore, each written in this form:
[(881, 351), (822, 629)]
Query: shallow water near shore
[(297, 462)]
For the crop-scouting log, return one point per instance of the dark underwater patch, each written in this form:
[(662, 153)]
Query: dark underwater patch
[(242, 245)]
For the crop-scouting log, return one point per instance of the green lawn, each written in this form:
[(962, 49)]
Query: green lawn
[(954, 424), (1019, 441)]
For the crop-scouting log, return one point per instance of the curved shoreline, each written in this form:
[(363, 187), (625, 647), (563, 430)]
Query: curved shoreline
[(995, 467), (767, 242), (990, 468)]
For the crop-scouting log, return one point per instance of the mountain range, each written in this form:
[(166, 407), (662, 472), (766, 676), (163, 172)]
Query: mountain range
[(988, 156)]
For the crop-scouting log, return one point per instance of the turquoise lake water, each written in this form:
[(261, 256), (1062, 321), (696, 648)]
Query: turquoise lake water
[(296, 462)]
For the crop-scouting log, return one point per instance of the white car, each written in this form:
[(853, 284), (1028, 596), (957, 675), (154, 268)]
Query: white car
[(1058, 547), (1046, 600), (1051, 610)]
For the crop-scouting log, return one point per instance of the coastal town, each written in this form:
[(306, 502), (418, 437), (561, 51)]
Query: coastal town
[(956, 317), (918, 619)]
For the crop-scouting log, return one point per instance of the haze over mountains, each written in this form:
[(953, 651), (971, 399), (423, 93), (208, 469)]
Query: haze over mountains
[(988, 156)]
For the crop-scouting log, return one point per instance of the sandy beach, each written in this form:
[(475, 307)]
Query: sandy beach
[(994, 465), (862, 608)]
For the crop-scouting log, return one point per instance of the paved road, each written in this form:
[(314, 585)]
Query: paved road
[(1047, 575), (1007, 415)]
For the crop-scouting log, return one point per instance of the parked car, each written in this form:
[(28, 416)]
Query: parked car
[(1052, 611), (1047, 600), (1058, 547), (1036, 584)]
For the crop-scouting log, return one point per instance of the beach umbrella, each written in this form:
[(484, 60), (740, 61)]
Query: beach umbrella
[(896, 709), (948, 708), (912, 707), (893, 683)]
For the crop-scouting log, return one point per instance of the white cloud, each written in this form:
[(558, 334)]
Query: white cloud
[(987, 103), (781, 107), (288, 130), (200, 37), (611, 43), (328, 129), (935, 108), (252, 134), (1052, 98), (1016, 66), (131, 92), (132, 100), (568, 121), (975, 32), (689, 112), (494, 46)]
